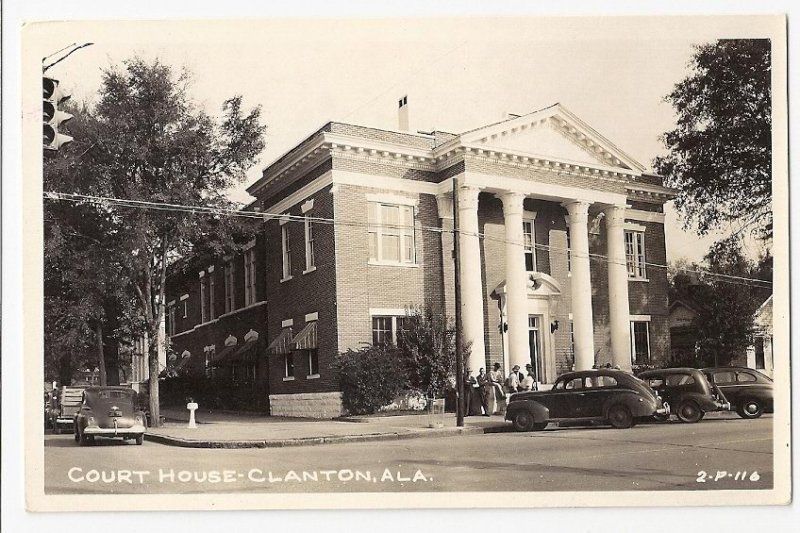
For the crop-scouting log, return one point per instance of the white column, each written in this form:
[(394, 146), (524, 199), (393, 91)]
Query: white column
[(581, 284), (618, 304), (471, 282), (516, 281)]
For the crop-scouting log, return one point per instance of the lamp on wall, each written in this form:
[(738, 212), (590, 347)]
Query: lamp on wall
[(553, 326)]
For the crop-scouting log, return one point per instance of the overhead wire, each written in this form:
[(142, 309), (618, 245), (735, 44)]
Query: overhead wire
[(219, 211)]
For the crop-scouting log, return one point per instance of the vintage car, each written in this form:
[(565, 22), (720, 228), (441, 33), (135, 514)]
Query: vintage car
[(108, 412), (613, 396), (687, 391), (748, 391), (63, 403)]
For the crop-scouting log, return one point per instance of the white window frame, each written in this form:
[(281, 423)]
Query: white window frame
[(386, 313), (230, 287), (377, 229), (286, 253), (203, 300), (249, 276), (311, 264), (309, 353), (640, 320), (532, 249), (635, 258), (211, 288), (286, 375)]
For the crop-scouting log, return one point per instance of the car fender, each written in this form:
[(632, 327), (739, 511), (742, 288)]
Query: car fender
[(540, 412), (705, 402), (638, 405)]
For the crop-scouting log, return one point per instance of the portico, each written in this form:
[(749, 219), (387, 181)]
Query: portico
[(515, 293)]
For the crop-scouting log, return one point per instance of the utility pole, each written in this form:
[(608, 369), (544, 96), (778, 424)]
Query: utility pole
[(460, 407)]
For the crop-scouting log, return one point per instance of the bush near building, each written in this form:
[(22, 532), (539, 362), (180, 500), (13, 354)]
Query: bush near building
[(370, 378)]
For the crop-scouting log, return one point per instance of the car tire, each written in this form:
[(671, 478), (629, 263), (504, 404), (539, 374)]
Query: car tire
[(689, 412), (140, 439), (539, 426), (522, 421), (620, 417), (750, 408)]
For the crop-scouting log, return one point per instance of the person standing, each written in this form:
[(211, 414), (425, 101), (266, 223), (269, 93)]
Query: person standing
[(485, 389), (496, 375), (514, 380), (528, 382)]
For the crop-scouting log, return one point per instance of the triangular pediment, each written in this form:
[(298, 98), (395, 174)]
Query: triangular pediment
[(553, 133)]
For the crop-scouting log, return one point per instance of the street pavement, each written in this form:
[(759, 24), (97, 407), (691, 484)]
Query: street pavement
[(733, 453)]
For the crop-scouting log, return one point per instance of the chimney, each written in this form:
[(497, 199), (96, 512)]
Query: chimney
[(402, 113)]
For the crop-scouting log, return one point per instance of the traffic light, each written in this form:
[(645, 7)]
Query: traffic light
[(52, 116)]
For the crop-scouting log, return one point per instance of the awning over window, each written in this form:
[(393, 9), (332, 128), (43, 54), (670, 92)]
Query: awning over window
[(307, 338), (281, 344), (221, 356), (247, 353)]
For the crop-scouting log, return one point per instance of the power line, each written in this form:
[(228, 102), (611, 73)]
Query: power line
[(105, 201)]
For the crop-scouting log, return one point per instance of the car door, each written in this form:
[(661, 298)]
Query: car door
[(725, 380), (599, 389), (562, 400), (575, 398)]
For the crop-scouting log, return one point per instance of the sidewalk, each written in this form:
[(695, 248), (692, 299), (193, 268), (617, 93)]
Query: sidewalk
[(227, 430)]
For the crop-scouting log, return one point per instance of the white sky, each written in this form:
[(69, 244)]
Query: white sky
[(458, 74)]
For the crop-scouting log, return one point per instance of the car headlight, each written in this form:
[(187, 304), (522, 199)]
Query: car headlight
[(138, 419), (90, 421)]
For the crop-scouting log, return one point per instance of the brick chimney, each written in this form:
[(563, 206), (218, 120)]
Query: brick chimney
[(402, 113)]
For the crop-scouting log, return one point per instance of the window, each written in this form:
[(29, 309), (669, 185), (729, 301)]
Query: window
[(574, 383), (640, 342), (722, 378), (243, 373), (529, 240), (391, 233), (287, 253), (313, 363), (230, 299), (760, 362), (203, 299), (744, 377), (382, 332), (634, 253), (288, 366), (171, 319), (250, 277), (185, 307), (674, 380), (209, 358), (601, 382), (310, 260), (211, 289)]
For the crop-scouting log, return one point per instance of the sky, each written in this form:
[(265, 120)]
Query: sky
[(458, 73)]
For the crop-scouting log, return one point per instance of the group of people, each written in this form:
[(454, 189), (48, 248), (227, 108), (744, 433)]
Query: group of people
[(484, 392)]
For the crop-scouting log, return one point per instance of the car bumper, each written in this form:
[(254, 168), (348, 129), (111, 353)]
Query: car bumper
[(114, 432), (664, 410)]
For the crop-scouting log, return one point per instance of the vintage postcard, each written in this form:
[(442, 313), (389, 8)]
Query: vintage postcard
[(378, 263)]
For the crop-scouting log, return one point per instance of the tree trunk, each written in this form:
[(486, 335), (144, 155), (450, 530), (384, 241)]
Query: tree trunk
[(101, 358), (112, 360), (152, 354)]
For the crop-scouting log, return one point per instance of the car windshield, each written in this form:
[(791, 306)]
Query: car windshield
[(113, 394)]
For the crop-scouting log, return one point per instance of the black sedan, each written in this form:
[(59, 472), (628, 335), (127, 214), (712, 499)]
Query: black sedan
[(686, 390), (608, 395), (748, 391), (108, 412)]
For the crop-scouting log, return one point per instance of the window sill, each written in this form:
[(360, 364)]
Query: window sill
[(643, 280), (286, 279), (374, 262), (309, 270), (288, 378), (313, 376)]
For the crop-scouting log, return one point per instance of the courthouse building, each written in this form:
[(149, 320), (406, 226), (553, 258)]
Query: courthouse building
[(562, 256)]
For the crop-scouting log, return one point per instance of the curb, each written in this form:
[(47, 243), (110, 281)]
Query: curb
[(308, 441)]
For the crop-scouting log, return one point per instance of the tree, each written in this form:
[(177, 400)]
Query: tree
[(370, 378), (720, 153), (149, 143), (427, 343)]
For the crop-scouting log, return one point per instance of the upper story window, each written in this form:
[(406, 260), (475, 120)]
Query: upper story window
[(204, 299), (212, 288), (391, 233), (529, 238), (250, 276), (634, 252), (230, 298), (286, 252), (310, 257)]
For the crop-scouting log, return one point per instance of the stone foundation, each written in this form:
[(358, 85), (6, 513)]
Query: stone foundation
[(307, 405)]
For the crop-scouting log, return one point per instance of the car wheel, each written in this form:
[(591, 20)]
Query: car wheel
[(750, 408), (620, 417), (522, 421), (140, 439), (689, 412), (539, 426)]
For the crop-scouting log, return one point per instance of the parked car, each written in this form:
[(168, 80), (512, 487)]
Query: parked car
[(108, 412), (614, 396), (687, 391), (64, 403), (748, 391)]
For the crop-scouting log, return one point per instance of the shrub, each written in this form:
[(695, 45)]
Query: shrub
[(370, 378)]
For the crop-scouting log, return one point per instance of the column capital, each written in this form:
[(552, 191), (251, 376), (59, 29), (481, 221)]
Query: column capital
[(444, 205), (615, 215), (468, 197), (512, 202), (578, 210)]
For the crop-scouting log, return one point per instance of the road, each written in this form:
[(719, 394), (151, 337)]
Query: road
[(647, 457)]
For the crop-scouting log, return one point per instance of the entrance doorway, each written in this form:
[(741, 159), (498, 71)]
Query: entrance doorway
[(535, 345)]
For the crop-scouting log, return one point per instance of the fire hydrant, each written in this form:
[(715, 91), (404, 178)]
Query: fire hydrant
[(192, 407)]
